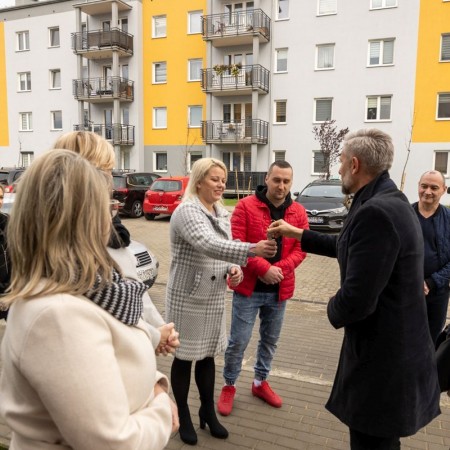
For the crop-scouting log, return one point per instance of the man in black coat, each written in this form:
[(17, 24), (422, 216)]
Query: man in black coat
[(386, 383)]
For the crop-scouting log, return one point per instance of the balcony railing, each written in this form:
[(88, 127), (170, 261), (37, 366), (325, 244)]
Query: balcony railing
[(243, 183), (243, 23), (103, 89), (101, 43), (252, 131), (117, 133), (245, 80)]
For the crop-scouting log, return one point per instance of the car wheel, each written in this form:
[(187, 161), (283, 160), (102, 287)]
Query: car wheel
[(150, 216), (136, 209)]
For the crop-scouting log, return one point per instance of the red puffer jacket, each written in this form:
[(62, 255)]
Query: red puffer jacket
[(249, 223)]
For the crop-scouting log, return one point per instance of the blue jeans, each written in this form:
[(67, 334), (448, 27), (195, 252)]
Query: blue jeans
[(271, 314)]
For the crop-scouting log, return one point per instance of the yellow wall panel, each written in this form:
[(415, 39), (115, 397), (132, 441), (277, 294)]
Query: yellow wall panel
[(4, 134)]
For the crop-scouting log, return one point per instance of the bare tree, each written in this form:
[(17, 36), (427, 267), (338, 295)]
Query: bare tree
[(408, 153), (330, 140)]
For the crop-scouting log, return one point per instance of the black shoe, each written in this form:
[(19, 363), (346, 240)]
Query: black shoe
[(208, 416), (186, 430)]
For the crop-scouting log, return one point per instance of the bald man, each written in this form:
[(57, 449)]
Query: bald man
[(435, 223)]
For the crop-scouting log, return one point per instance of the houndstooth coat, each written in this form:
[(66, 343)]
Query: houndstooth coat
[(202, 254)]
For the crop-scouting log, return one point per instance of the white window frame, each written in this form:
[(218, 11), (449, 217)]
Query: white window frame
[(445, 36), (50, 32), (27, 81), (53, 78), (322, 3), (321, 99), (190, 66), (155, 161), (382, 43), (313, 171), (190, 110), (447, 95), (277, 102), (278, 8), (323, 46), (154, 65), (161, 109), (53, 117), (190, 17), (23, 39), (155, 35), (279, 51), (447, 152), (279, 155), (383, 4), (28, 116), (198, 155), (379, 99), (26, 158)]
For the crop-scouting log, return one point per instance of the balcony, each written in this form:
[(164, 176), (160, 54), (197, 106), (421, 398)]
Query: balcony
[(98, 90), (246, 132), (220, 80), (241, 184), (236, 28), (116, 134), (100, 44)]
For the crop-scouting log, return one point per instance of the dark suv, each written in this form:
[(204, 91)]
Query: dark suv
[(129, 188), (9, 176), (324, 203)]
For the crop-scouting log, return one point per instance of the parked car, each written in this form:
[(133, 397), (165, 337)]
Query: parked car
[(164, 196), (8, 201), (324, 203), (9, 176), (129, 188)]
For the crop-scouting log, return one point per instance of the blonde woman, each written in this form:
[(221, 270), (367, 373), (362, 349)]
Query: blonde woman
[(203, 257), (75, 375)]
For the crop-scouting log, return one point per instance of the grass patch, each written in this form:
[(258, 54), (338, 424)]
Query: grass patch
[(230, 201)]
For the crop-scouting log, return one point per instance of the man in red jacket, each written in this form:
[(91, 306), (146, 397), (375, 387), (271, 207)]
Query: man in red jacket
[(267, 283)]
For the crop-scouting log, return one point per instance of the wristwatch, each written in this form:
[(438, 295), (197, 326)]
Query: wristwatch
[(250, 252)]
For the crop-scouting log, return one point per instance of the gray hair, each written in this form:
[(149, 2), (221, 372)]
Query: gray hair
[(373, 148)]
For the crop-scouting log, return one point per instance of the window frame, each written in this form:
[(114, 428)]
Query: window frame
[(383, 5), (447, 152), (378, 119), (326, 13), (154, 28), (313, 167), (381, 53), (190, 14), (154, 72), (318, 47), (275, 110), (27, 81), (190, 61), (190, 154), (315, 109), (155, 161), (52, 73), (53, 121), (29, 116), (444, 35), (50, 30), (438, 103), (275, 158), (278, 10), (190, 108), (24, 38), (277, 52), (154, 121), (26, 158)]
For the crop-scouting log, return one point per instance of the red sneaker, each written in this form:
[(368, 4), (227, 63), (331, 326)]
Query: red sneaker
[(226, 399), (265, 393)]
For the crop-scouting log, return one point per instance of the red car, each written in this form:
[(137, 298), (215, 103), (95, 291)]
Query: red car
[(164, 196)]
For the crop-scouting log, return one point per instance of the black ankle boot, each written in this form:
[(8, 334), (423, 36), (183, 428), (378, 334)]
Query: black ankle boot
[(187, 431), (207, 415)]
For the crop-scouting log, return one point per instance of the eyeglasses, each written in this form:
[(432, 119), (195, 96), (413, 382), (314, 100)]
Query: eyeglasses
[(114, 206)]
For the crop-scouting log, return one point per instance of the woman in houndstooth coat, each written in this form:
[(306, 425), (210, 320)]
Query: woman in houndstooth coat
[(203, 258)]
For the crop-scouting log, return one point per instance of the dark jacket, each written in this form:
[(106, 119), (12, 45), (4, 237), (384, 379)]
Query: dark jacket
[(386, 382), (441, 222), (5, 263)]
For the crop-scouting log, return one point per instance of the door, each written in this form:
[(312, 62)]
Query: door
[(108, 123), (248, 120)]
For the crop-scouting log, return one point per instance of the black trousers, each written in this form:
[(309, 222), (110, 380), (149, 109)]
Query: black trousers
[(437, 305), (362, 441)]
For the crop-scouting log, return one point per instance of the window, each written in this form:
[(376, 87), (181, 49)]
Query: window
[(325, 57), (377, 4), (322, 109), (55, 79), (53, 37), (445, 47), (283, 9), (279, 155), (195, 116), (318, 162), (281, 60), (24, 81), (443, 111), (159, 117), (26, 158), (381, 52), (327, 7), (194, 156), (378, 108), (441, 162), (159, 72), (195, 22), (56, 117), (280, 111), (159, 26), (194, 69), (26, 122), (160, 161), (23, 41)]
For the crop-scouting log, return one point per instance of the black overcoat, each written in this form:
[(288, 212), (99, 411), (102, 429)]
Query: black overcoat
[(386, 382)]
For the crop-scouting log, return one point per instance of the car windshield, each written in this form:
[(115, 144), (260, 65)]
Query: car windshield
[(323, 190), (119, 182), (4, 177), (166, 185)]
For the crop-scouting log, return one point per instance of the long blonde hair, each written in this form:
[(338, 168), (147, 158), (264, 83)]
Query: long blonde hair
[(60, 227)]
